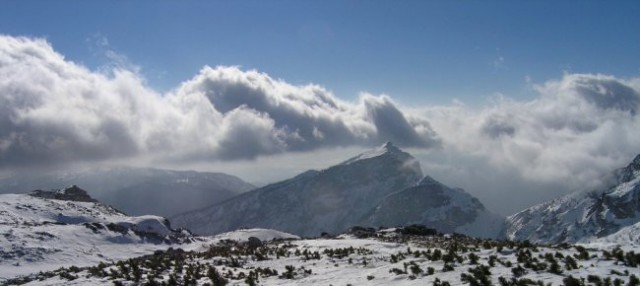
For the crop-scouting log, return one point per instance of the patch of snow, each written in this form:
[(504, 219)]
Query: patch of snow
[(243, 235), (147, 223)]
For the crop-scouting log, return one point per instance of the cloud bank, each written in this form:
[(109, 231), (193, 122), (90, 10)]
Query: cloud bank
[(54, 111), (578, 129)]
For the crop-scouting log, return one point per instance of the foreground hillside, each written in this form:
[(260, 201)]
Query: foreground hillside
[(45, 230), (389, 257), (381, 187)]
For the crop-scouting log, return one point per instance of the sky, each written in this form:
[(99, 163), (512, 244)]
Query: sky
[(517, 102)]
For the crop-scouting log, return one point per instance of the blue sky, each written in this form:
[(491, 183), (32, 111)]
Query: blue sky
[(419, 52)]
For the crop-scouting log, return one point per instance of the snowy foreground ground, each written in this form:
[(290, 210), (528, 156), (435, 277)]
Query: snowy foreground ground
[(38, 234), (388, 258)]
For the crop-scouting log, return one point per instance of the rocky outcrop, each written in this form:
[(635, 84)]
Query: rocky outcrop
[(72, 193)]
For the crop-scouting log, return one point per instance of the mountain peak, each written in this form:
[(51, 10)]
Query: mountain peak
[(427, 180), (386, 149), (388, 145)]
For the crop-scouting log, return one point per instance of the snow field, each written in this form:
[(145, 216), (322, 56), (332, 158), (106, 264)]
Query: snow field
[(387, 260)]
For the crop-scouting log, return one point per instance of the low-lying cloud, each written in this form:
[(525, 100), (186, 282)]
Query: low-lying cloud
[(580, 128), (55, 111)]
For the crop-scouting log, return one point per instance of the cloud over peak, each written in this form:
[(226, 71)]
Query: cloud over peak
[(55, 111)]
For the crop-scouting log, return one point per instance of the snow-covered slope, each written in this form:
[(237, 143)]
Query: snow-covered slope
[(377, 188), (138, 191), (39, 233), (243, 235), (583, 216), (438, 206)]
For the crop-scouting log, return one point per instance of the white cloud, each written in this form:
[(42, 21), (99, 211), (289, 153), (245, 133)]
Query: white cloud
[(55, 111), (578, 129)]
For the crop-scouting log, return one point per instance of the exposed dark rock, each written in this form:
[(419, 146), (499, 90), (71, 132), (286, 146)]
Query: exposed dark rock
[(72, 193), (417, 229), (362, 232), (254, 242)]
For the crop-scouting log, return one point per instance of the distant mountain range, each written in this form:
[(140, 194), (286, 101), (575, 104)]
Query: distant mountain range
[(611, 214), (381, 187), (139, 191)]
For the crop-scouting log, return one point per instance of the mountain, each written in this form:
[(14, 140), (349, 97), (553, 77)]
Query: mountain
[(584, 216), (433, 204), (139, 191), (365, 190), (330, 200), (45, 230)]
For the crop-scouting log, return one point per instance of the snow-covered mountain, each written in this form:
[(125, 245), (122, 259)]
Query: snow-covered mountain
[(330, 200), (585, 216), (46, 230), (139, 191), (366, 190)]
